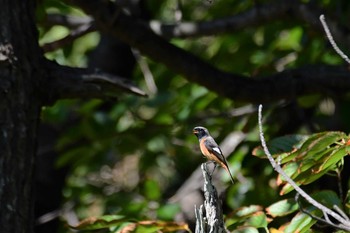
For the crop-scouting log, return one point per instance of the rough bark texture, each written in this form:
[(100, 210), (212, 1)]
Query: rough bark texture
[(209, 217), (20, 108)]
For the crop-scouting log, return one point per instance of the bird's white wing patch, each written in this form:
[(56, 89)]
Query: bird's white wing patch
[(217, 150)]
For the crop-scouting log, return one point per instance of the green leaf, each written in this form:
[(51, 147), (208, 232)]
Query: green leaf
[(281, 145), (168, 211), (152, 190), (300, 223), (246, 230), (258, 220), (311, 171), (328, 198), (248, 210), (94, 223), (319, 142), (153, 226), (332, 159), (282, 208)]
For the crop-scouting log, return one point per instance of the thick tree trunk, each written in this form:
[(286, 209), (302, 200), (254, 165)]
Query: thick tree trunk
[(19, 113)]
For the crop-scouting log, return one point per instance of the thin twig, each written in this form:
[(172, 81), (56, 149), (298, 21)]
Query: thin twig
[(344, 224), (73, 35), (310, 214), (149, 79), (341, 212), (332, 41)]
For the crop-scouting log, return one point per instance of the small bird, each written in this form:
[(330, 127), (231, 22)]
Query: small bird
[(210, 149)]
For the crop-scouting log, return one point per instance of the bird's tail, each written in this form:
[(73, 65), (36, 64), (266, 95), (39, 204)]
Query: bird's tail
[(229, 172)]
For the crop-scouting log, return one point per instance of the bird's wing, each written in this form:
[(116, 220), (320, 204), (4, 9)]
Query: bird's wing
[(213, 147)]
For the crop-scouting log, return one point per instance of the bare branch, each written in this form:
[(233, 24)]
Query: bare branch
[(74, 34), (68, 21), (259, 14), (331, 40), (325, 221), (68, 82), (152, 87), (341, 212), (253, 17), (344, 223)]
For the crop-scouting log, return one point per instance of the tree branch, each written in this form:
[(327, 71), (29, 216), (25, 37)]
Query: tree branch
[(343, 222), (284, 85), (68, 21), (331, 40), (68, 82), (255, 16), (258, 15), (73, 34)]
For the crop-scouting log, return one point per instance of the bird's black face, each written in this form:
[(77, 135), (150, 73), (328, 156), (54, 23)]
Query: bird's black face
[(200, 132)]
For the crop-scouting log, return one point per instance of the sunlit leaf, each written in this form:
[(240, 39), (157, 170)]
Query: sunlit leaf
[(102, 222), (332, 159), (282, 208), (300, 223), (152, 190), (258, 220), (246, 229), (247, 211), (168, 212)]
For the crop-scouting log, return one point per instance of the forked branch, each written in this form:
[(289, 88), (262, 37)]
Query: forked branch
[(344, 223)]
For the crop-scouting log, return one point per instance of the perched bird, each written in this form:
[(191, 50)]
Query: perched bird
[(210, 149)]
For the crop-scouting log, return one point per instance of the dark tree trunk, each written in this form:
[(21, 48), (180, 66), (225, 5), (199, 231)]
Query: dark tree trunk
[(20, 78)]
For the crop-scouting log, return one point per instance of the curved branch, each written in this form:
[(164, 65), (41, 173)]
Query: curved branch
[(331, 40), (255, 16), (284, 85), (344, 223), (68, 82)]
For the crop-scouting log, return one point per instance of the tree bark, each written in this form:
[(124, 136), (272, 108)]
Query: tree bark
[(209, 217), (20, 106)]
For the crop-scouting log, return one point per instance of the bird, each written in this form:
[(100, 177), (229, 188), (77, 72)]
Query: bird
[(210, 149)]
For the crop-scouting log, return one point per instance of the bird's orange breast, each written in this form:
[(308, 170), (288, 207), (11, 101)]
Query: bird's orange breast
[(205, 150)]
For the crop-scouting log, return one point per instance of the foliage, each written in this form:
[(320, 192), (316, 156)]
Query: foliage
[(128, 156)]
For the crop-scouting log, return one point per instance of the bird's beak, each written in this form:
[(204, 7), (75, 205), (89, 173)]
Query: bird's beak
[(195, 131)]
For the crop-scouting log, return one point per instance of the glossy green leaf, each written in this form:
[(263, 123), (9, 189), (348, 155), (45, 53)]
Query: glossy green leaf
[(300, 223), (246, 229), (319, 142), (282, 208), (332, 159), (247, 211), (258, 220)]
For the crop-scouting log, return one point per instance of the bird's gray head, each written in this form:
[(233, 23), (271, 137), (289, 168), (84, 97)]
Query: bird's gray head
[(200, 132)]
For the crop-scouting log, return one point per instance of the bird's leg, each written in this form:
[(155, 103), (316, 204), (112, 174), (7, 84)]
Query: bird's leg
[(212, 172), (208, 162), (213, 168)]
